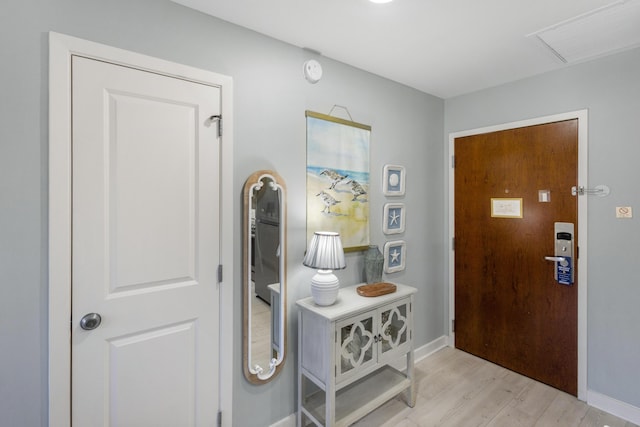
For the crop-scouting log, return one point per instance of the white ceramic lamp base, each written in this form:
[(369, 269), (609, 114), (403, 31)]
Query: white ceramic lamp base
[(324, 287)]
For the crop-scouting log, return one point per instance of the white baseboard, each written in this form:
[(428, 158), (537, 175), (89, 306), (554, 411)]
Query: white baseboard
[(289, 421), (421, 352), (613, 406), (429, 348)]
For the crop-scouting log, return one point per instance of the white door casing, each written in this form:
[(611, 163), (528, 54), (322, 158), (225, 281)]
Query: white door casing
[(147, 224)]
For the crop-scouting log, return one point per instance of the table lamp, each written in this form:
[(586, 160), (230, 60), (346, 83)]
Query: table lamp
[(326, 254)]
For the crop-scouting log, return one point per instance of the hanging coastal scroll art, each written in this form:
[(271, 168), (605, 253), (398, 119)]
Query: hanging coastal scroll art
[(338, 179)]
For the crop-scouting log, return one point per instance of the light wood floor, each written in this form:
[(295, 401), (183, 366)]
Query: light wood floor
[(457, 389), (260, 333)]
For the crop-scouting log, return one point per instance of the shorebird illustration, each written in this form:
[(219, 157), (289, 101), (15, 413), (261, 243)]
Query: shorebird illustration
[(328, 201), (334, 176), (357, 190)]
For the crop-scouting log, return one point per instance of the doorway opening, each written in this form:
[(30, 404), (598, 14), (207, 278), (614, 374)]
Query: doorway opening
[(581, 117)]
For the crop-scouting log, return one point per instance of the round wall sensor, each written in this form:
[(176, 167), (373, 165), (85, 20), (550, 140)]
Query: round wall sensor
[(312, 71)]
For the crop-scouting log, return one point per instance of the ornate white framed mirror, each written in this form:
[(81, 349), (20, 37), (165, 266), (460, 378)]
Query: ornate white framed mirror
[(264, 272)]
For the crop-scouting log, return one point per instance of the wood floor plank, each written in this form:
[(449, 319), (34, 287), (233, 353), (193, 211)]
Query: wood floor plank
[(453, 403), (446, 375), (483, 408), (525, 409), (565, 410), (457, 389)]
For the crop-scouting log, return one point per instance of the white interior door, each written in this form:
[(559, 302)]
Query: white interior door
[(145, 248)]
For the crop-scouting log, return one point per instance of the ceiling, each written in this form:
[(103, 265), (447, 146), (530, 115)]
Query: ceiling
[(443, 47)]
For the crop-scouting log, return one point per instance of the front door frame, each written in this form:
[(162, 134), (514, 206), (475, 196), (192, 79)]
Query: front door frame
[(582, 116), (61, 49)]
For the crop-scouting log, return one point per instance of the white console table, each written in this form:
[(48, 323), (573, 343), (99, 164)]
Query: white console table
[(344, 355)]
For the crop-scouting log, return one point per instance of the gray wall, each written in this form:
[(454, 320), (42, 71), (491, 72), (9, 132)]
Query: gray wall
[(610, 89), (270, 99)]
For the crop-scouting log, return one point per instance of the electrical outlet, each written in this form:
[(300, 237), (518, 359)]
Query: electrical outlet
[(624, 212)]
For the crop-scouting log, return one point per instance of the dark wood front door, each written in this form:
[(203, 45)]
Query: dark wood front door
[(509, 309)]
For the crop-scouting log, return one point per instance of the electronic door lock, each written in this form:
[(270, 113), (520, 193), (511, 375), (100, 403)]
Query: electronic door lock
[(563, 256)]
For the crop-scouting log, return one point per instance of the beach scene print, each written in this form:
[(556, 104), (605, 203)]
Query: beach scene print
[(338, 180)]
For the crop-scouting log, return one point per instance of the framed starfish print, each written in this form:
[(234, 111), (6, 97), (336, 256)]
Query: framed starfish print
[(338, 179), (393, 218), (395, 254)]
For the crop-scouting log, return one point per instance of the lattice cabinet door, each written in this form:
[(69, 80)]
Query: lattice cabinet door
[(355, 345), (394, 334)]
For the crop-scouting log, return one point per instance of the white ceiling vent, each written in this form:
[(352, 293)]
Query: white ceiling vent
[(609, 29)]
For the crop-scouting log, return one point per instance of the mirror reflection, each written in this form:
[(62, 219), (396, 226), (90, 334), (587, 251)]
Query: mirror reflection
[(264, 288)]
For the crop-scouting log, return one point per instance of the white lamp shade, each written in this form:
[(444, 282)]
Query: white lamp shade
[(325, 251)]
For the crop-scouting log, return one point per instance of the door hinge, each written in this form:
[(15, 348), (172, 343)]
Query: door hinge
[(219, 273), (219, 418), (217, 118), (453, 243), (453, 162), (453, 325)]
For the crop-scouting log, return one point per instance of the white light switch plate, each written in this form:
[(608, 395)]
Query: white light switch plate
[(624, 212)]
